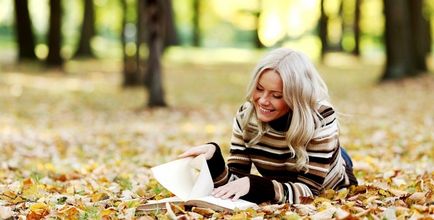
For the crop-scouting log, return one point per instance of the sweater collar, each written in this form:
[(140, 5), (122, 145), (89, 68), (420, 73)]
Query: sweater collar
[(282, 124)]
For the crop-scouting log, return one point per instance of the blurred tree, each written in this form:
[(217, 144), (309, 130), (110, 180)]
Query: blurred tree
[(135, 71), (131, 78), (322, 29), (196, 23), (54, 57), (421, 29), (87, 30), (140, 42), (23, 31), (356, 50), (407, 39), (171, 37), (338, 45), (156, 22)]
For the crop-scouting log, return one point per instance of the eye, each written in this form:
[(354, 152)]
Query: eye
[(277, 96), (259, 88)]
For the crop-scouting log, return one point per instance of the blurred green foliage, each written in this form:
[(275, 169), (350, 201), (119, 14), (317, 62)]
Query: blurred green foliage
[(222, 23)]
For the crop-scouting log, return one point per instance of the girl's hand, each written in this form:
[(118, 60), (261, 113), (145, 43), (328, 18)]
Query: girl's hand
[(207, 150), (234, 189)]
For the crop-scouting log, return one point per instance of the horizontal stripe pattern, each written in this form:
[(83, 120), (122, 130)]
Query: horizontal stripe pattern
[(275, 161)]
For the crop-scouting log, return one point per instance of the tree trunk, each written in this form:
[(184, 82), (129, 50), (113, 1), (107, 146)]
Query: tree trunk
[(170, 36), (196, 23), (130, 76), (23, 31), (400, 34), (87, 30), (155, 84), (156, 14), (421, 35), (140, 40), (356, 50), (323, 33), (54, 57)]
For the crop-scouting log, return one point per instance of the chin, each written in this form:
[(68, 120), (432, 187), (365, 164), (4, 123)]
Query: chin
[(263, 118)]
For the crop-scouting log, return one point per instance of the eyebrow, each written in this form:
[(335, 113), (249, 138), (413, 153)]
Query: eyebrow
[(270, 90)]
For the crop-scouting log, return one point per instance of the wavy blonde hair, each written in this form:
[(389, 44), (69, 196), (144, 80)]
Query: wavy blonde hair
[(303, 89)]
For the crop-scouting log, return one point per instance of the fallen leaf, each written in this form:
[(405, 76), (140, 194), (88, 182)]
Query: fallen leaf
[(38, 211), (6, 212)]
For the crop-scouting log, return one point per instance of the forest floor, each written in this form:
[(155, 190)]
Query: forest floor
[(75, 144)]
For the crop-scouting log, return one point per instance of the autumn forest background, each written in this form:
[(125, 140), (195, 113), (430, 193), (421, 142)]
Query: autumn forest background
[(95, 92)]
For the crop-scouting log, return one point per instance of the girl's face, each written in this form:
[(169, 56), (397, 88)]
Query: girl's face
[(268, 97)]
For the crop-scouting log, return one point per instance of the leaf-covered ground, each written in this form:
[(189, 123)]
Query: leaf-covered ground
[(78, 146)]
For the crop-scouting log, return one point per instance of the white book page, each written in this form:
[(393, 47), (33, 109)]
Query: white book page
[(186, 177), (176, 177), (204, 184), (228, 203)]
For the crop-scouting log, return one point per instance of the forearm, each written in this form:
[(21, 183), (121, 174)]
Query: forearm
[(217, 166), (261, 189)]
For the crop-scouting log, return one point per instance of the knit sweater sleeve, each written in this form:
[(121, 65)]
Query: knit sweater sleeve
[(326, 168), (239, 163)]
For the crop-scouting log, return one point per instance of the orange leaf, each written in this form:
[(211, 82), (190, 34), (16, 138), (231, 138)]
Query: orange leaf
[(38, 211)]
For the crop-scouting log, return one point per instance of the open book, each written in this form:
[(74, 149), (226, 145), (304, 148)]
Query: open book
[(191, 182)]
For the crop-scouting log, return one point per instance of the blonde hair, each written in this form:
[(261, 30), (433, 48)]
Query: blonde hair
[(303, 89)]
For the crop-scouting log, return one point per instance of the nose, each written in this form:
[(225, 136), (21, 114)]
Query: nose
[(263, 99)]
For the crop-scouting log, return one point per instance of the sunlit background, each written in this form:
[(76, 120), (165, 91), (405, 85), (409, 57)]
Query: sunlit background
[(224, 24), (75, 138)]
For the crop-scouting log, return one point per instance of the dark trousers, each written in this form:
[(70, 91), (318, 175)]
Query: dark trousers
[(346, 157), (349, 167)]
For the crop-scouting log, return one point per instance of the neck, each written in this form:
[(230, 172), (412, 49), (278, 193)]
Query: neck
[(282, 123)]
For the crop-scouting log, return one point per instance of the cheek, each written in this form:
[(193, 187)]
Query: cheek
[(281, 105), (255, 96)]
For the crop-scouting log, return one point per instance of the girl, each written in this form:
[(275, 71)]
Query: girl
[(288, 130)]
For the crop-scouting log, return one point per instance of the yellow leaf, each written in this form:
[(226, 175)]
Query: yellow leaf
[(70, 190), (11, 197), (39, 207), (49, 167), (291, 216), (342, 194), (328, 194), (107, 212), (38, 211), (31, 192), (70, 212), (239, 216), (99, 196), (384, 193)]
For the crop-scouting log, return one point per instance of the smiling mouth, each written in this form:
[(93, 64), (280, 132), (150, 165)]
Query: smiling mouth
[(264, 110)]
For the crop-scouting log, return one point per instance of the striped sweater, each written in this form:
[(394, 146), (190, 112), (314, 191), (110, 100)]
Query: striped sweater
[(280, 182)]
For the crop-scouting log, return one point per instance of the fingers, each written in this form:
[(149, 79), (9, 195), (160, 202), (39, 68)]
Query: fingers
[(224, 192), (186, 154), (234, 189), (207, 149), (192, 152), (236, 196)]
